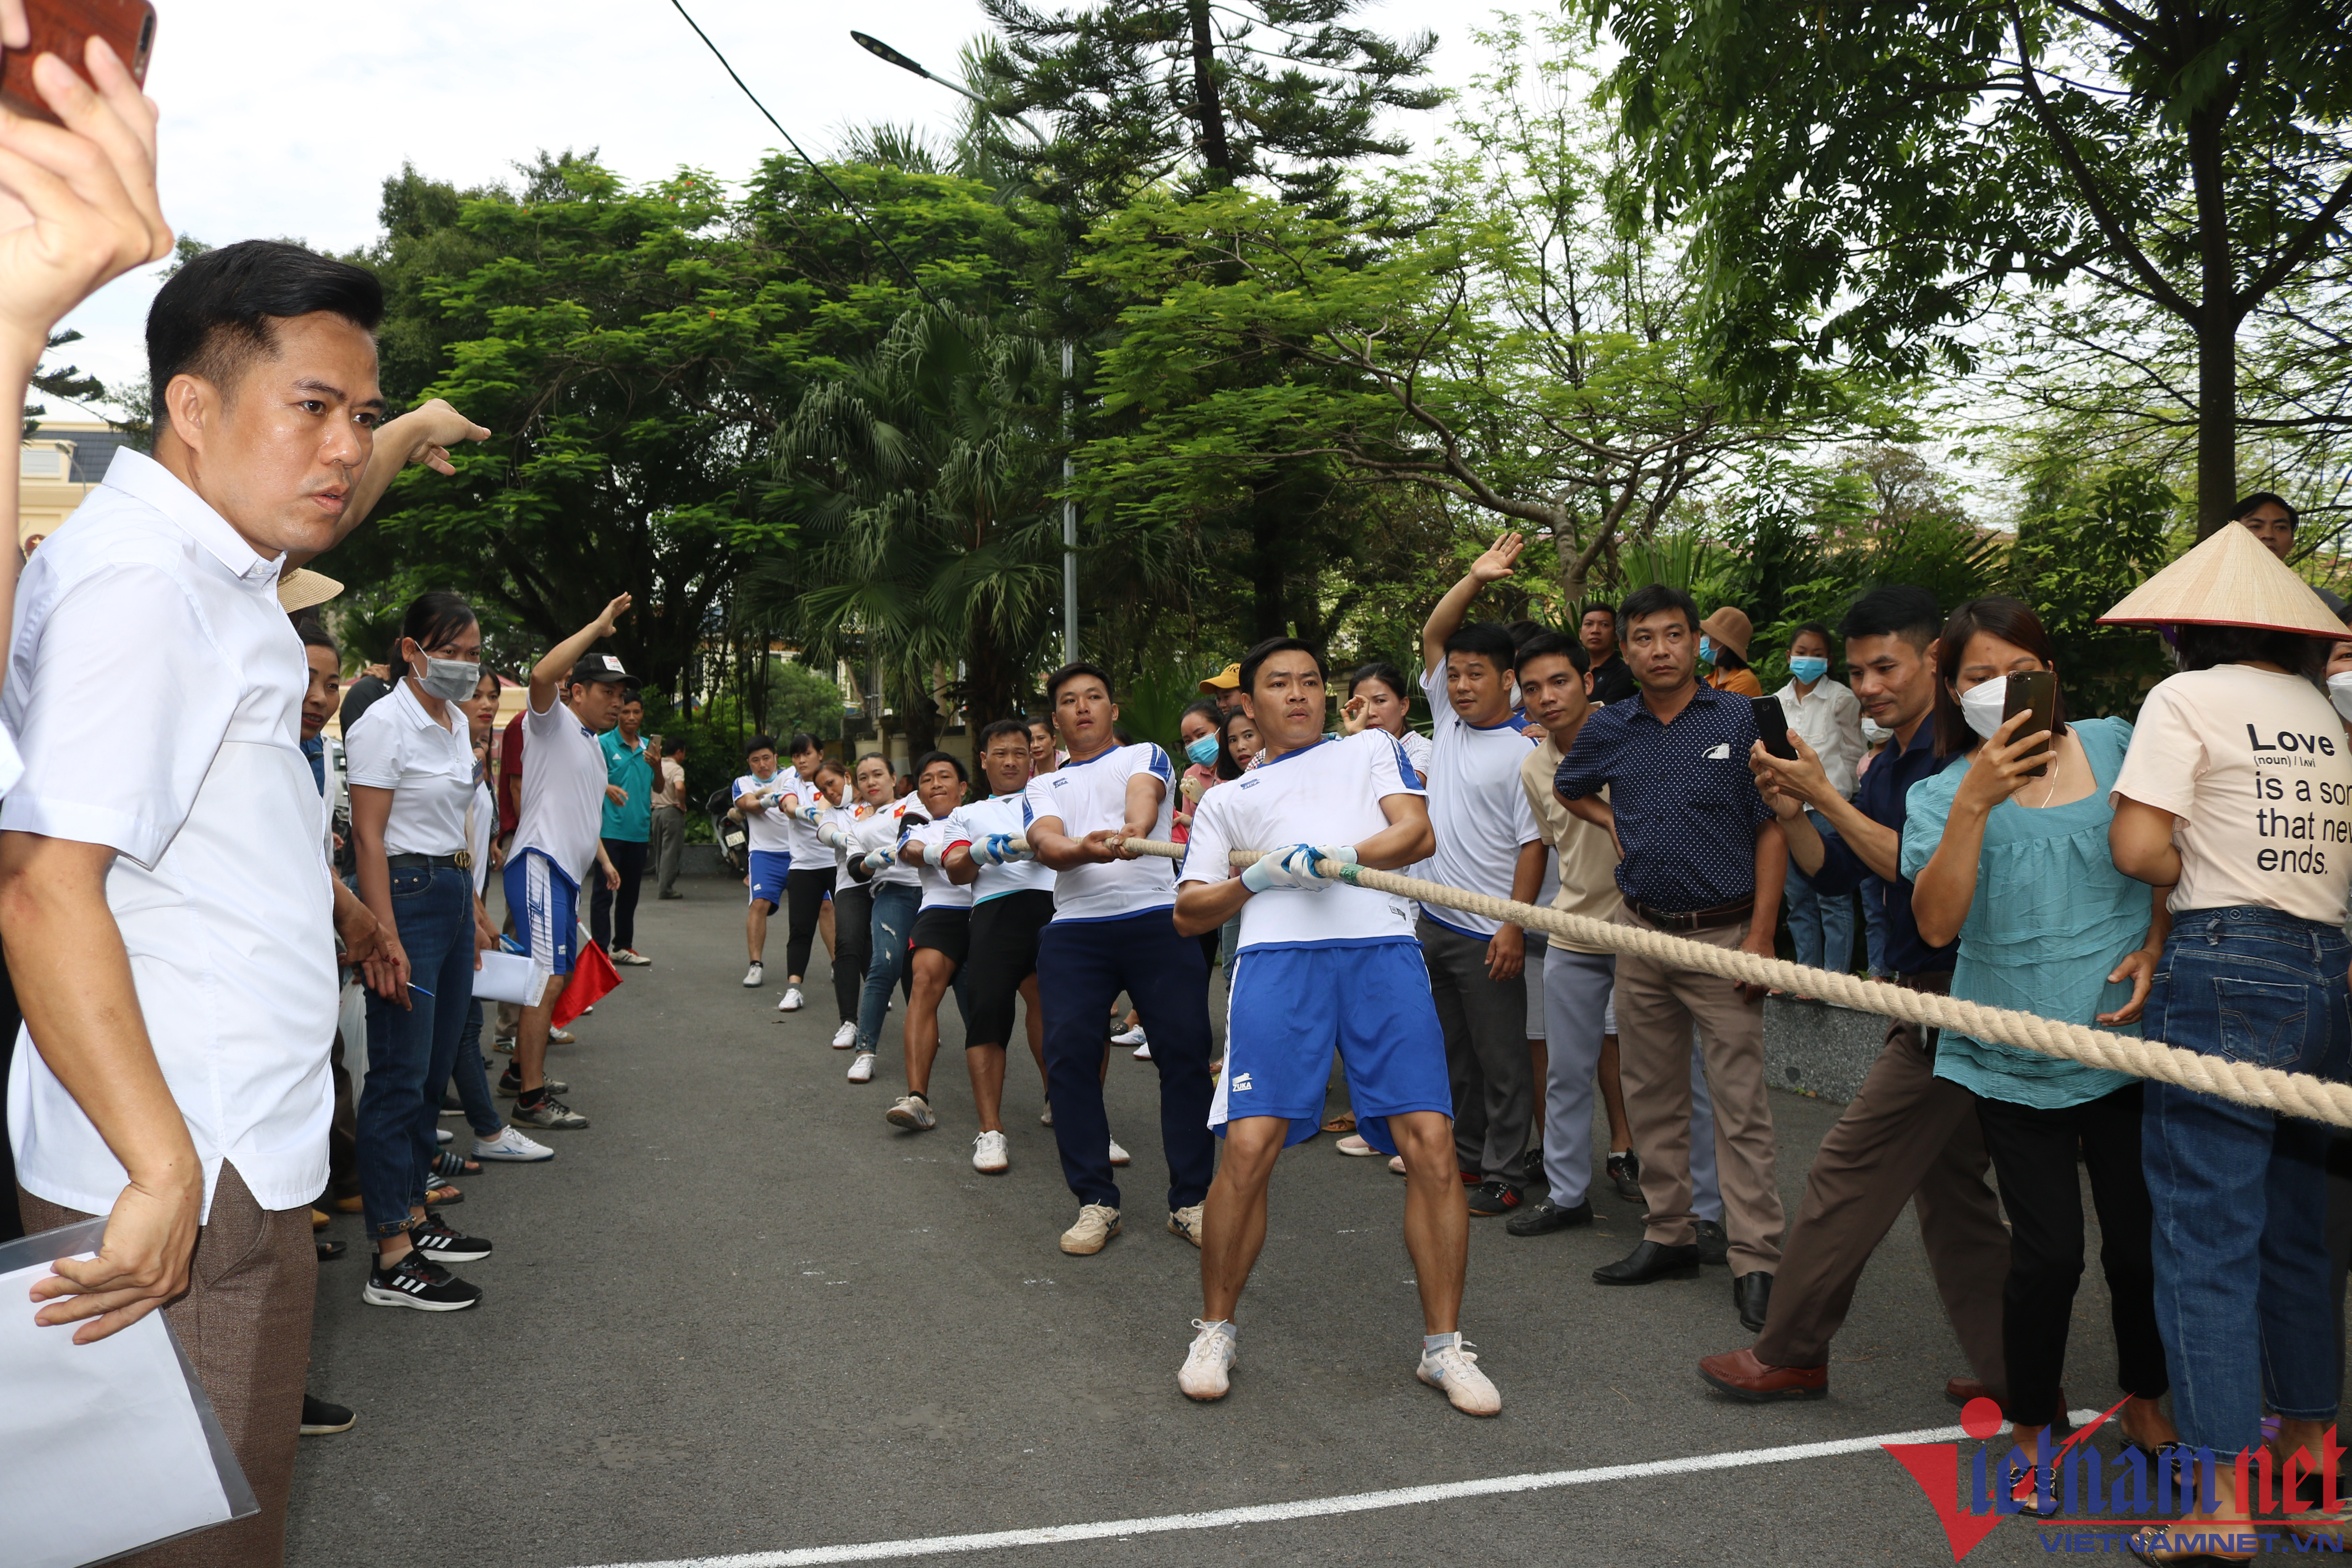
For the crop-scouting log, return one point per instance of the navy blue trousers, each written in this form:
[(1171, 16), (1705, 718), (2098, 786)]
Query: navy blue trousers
[(1082, 966)]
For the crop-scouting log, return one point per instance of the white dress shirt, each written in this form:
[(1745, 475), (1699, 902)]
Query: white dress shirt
[(1831, 721), (428, 767), (147, 621)]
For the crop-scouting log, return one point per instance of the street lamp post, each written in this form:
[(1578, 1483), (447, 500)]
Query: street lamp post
[(882, 51)]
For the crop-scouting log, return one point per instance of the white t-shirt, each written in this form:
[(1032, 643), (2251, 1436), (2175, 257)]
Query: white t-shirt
[(845, 818), (939, 892), (486, 822), (800, 841), (999, 814), (2255, 765), (1416, 751), (1090, 795), (428, 767), (1328, 794), (562, 811), (771, 830), (156, 686), (878, 828), (1477, 808)]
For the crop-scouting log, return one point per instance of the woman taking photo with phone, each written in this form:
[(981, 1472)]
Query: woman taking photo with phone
[(410, 761), (2007, 852), (2235, 795)]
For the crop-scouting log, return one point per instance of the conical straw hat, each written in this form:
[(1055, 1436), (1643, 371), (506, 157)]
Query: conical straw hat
[(298, 589), (2231, 580)]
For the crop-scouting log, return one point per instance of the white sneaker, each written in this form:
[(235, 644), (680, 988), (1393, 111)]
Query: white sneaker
[(1453, 1368), (987, 1155), (753, 978), (1143, 1052), (913, 1112), (1134, 1036), (1213, 1352), (1119, 1156), (1353, 1143), (510, 1144), (1396, 1164), (442, 1135), (845, 1036), (862, 1069), (1186, 1223), (630, 957), (1097, 1223), (791, 1001), (1047, 1115)]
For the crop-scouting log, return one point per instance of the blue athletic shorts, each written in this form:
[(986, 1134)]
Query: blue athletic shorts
[(1290, 1006), (546, 908), (769, 867)]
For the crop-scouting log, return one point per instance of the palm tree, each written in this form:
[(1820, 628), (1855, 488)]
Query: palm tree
[(920, 482)]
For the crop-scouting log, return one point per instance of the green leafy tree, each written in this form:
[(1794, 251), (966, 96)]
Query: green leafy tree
[(1866, 179), (2084, 540)]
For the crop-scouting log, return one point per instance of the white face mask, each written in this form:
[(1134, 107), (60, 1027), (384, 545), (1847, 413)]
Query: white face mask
[(1875, 733), (1981, 705), (2339, 691), (450, 679)]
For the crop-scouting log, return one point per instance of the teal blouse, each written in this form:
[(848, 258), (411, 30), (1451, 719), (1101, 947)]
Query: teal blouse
[(2051, 917)]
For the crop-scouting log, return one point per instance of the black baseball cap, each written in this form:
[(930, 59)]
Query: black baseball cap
[(597, 667)]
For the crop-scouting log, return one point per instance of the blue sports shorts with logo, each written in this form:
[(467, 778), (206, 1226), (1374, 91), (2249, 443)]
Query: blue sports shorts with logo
[(769, 868), (1291, 1006), (545, 904)]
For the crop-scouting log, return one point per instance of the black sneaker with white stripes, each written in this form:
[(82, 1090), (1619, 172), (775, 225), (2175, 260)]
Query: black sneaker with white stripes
[(432, 1236), (417, 1281)]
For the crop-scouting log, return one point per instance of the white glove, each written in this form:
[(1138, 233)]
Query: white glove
[(812, 814), (1274, 868), (879, 860), (998, 850)]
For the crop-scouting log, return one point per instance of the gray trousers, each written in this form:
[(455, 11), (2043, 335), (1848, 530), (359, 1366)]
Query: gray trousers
[(1485, 1022), (1576, 1016), (669, 845)]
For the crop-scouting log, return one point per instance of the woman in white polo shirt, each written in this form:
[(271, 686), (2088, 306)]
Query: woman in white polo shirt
[(410, 761)]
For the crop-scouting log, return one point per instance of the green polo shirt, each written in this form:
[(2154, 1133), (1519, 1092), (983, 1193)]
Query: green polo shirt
[(628, 766)]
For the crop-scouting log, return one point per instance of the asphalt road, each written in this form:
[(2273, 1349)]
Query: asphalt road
[(742, 1315)]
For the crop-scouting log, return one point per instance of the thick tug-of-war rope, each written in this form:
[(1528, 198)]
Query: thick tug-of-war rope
[(2266, 1088)]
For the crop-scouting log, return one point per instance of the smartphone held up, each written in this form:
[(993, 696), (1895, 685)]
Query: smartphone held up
[(2034, 691), (63, 29)]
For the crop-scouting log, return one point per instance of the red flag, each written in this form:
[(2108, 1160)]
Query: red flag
[(593, 978)]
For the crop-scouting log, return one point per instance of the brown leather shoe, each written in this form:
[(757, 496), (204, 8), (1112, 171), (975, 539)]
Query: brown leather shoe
[(1742, 1376)]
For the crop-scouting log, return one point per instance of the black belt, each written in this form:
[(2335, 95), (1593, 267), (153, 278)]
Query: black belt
[(463, 861), (1694, 919)]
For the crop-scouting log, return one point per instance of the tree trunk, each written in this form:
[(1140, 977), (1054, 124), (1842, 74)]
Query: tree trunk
[(1268, 609), (2216, 326), (1214, 150)]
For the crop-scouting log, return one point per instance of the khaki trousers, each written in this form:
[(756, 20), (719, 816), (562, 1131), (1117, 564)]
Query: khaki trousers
[(1656, 1008), (1908, 1137), (246, 1325)]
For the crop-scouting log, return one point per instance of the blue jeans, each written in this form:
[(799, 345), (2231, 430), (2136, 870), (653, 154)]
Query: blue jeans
[(894, 920), (408, 1047), (469, 1074), (1873, 925), (1082, 966), (2240, 1194), (1822, 923)]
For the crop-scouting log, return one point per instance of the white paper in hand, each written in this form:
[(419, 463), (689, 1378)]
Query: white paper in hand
[(103, 1447), (507, 977)]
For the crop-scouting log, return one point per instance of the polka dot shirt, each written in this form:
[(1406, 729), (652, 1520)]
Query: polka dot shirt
[(1687, 808)]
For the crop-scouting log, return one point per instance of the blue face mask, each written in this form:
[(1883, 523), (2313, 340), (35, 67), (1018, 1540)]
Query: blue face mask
[(1706, 651), (1203, 751), (1808, 669)]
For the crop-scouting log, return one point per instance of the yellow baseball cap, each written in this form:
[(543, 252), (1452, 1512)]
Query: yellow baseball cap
[(1226, 680)]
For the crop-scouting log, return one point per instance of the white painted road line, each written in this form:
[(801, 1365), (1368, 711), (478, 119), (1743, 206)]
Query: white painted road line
[(1311, 1508)]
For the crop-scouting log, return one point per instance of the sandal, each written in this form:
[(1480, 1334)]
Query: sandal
[(449, 1162), (1343, 1122), (441, 1195)]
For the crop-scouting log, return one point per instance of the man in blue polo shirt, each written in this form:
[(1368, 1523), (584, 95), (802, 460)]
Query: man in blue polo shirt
[(627, 826), (1701, 857), (1909, 1136)]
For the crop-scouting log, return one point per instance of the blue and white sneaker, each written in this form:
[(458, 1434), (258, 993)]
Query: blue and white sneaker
[(1450, 1366)]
